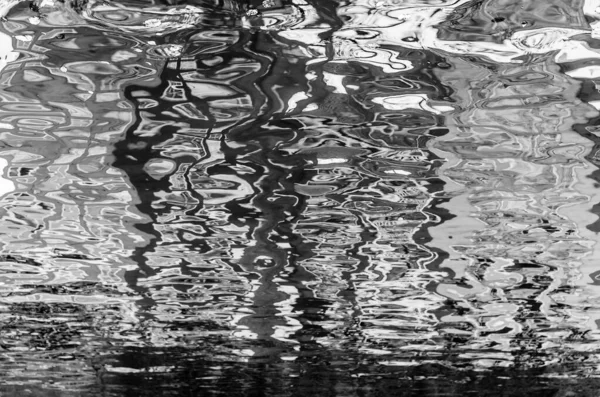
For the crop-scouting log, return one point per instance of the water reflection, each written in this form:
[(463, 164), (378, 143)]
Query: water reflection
[(291, 197)]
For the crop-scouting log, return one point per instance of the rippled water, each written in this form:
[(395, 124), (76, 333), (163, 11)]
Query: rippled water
[(296, 198)]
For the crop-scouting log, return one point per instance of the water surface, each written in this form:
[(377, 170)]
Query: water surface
[(295, 198)]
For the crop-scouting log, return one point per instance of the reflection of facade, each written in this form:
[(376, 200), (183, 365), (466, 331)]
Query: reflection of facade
[(520, 165), (263, 217)]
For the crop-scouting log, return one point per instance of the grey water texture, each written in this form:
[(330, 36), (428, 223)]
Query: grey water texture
[(300, 198)]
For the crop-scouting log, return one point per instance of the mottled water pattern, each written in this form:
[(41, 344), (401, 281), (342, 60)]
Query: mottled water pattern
[(296, 198)]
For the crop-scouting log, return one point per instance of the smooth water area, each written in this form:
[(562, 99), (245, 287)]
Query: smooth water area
[(300, 198)]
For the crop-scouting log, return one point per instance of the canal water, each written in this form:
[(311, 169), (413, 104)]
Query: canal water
[(300, 198)]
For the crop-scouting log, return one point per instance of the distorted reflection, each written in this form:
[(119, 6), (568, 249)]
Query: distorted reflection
[(294, 196)]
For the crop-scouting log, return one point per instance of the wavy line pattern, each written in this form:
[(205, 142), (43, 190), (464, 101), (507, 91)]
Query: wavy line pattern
[(364, 197)]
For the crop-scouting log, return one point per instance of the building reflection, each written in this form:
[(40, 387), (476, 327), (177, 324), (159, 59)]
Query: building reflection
[(273, 190), (290, 205)]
